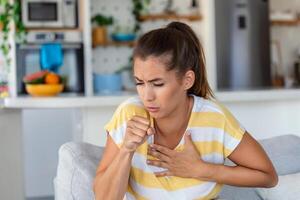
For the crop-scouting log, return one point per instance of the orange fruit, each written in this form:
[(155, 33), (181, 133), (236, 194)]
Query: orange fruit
[(52, 78)]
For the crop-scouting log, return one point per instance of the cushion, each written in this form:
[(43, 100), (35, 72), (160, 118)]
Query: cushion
[(284, 151), (288, 188), (76, 171), (238, 193)]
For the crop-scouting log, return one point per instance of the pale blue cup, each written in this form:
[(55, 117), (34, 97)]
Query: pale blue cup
[(107, 83)]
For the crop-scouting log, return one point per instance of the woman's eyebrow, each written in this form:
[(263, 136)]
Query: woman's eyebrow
[(152, 80)]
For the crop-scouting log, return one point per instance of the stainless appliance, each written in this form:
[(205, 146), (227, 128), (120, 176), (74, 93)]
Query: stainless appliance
[(49, 13), (28, 58), (242, 44)]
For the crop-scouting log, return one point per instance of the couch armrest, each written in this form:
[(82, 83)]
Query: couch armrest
[(76, 170)]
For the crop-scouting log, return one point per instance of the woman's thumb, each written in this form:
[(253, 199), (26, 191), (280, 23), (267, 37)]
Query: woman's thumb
[(150, 131), (188, 138)]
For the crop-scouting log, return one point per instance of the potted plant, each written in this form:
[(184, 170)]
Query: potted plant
[(99, 31), (10, 25), (123, 34), (139, 8), (10, 13)]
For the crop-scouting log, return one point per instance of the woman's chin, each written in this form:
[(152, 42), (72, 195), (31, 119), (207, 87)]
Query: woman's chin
[(155, 114)]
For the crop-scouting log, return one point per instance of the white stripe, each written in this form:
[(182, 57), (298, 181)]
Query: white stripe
[(206, 134), (215, 158), (118, 134), (133, 100), (151, 193), (208, 108), (139, 162), (129, 196), (188, 193), (230, 142), (212, 105)]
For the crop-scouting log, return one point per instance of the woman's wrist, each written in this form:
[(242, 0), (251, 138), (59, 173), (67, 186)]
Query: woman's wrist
[(205, 171), (125, 151)]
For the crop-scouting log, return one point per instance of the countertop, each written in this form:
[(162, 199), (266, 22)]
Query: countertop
[(80, 101)]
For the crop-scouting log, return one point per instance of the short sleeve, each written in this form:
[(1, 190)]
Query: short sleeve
[(116, 127), (233, 132)]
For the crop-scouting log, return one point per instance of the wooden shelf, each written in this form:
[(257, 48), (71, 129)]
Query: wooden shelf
[(285, 22), (170, 17), (117, 44), (53, 29)]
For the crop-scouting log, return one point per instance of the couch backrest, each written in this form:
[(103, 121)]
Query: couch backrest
[(284, 152)]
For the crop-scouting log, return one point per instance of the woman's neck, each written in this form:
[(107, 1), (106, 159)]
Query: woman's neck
[(176, 123)]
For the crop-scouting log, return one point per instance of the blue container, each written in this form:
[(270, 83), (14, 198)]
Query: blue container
[(123, 37), (107, 83)]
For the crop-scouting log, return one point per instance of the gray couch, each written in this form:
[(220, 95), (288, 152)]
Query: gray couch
[(78, 163)]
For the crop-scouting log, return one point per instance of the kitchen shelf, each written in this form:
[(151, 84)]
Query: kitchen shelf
[(53, 29), (117, 44), (285, 22), (170, 17)]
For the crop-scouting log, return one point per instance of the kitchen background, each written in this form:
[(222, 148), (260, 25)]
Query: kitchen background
[(44, 130)]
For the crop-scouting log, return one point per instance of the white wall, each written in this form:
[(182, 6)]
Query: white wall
[(44, 130), (268, 118)]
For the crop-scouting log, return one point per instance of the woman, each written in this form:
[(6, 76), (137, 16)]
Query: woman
[(171, 141)]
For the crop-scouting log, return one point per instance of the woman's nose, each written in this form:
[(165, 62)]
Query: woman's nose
[(149, 93)]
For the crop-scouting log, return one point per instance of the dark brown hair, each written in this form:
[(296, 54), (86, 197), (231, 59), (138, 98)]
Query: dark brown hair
[(178, 43)]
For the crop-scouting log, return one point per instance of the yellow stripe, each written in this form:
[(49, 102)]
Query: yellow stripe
[(124, 114), (171, 183), (205, 148), (215, 120), (228, 114), (231, 120)]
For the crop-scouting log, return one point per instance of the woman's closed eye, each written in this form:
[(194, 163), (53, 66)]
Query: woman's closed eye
[(139, 83), (154, 84), (158, 84)]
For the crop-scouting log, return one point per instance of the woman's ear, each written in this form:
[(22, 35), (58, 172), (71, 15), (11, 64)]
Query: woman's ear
[(189, 79)]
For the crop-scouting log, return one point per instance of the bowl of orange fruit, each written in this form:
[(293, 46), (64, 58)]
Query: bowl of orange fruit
[(43, 83)]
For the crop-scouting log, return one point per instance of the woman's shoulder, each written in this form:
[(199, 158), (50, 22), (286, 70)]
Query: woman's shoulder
[(131, 103), (207, 105), (125, 111), (130, 107)]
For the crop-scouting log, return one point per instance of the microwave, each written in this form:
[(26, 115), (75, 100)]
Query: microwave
[(49, 13)]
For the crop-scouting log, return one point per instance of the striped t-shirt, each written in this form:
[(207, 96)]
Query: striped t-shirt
[(214, 132)]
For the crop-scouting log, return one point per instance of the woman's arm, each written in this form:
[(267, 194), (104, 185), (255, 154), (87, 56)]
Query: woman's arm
[(112, 176), (254, 168), (112, 182)]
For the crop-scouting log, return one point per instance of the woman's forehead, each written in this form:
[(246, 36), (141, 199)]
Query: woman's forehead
[(151, 65)]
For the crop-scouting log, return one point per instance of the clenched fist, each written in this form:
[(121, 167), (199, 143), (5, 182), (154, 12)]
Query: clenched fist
[(137, 131)]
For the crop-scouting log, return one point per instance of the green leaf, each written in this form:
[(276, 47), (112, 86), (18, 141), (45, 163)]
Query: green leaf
[(11, 13)]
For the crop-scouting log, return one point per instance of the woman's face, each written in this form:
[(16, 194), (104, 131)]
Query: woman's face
[(160, 90)]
